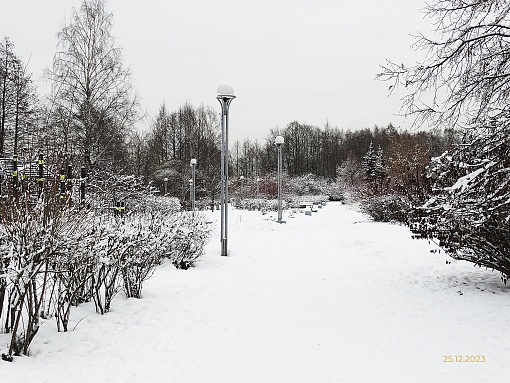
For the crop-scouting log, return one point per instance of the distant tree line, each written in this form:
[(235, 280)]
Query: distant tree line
[(313, 150), (90, 115), (90, 123), (173, 139)]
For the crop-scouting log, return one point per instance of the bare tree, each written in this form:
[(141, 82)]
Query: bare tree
[(6, 56), (466, 77), (90, 83), (18, 100), (465, 80)]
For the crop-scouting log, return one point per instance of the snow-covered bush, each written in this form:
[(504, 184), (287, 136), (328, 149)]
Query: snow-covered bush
[(72, 266), (146, 241), (260, 204), (125, 255), (55, 255), (465, 63), (312, 185), (154, 203), (190, 233), (297, 201), (4, 263), (31, 239), (72, 282), (138, 197), (387, 208), (106, 249), (469, 211)]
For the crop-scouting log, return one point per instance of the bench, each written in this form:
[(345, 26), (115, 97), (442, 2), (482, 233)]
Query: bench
[(308, 204)]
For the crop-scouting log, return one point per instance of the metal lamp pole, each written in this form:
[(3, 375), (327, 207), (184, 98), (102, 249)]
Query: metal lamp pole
[(191, 192), (225, 97), (279, 141), (165, 180), (258, 180), (193, 163)]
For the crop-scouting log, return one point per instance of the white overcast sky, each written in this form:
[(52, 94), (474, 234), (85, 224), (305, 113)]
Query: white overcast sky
[(307, 60)]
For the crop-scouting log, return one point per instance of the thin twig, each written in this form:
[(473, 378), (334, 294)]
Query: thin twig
[(79, 322)]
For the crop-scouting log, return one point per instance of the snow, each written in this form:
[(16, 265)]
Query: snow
[(464, 181), (331, 297), (225, 90)]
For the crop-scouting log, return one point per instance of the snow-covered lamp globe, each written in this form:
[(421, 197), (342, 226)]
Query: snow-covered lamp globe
[(225, 91), (278, 140)]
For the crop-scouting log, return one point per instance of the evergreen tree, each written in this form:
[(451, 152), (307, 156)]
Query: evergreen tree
[(373, 164)]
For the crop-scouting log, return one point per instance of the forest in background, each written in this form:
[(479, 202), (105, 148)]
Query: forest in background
[(80, 128)]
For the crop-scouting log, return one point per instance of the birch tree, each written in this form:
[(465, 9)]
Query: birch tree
[(90, 83)]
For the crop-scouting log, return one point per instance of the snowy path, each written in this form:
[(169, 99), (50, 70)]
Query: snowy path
[(327, 298)]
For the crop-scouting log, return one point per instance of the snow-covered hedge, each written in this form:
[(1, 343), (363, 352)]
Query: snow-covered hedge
[(54, 256), (387, 208), (468, 211), (312, 185), (297, 201), (188, 235), (260, 204)]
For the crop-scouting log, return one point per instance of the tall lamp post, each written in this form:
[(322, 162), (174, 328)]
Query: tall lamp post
[(191, 192), (279, 141), (225, 97), (193, 163)]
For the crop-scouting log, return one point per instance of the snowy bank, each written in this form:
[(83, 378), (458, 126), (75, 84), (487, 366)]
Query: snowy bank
[(331, 297)]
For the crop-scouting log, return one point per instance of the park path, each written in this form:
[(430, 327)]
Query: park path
[(330, 297)]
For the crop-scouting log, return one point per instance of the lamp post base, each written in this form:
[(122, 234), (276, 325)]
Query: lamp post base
[(224, 247)]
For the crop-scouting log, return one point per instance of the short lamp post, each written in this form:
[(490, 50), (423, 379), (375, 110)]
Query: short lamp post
[(242, 180), (279, 141), (258, 180), (193, 164), (225, 97), (165, 180)]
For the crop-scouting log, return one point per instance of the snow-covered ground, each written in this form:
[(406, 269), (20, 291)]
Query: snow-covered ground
[(330, 297)]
